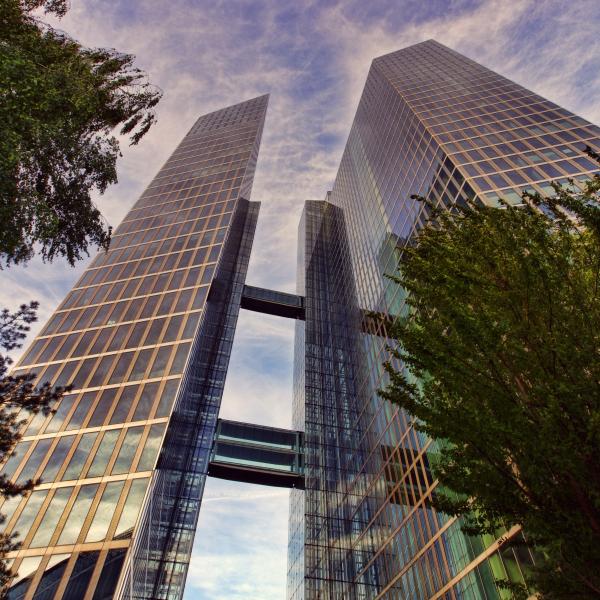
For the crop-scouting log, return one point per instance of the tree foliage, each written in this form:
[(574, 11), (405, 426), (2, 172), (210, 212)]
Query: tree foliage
[(501, 359), (19, 398), (59, 104)]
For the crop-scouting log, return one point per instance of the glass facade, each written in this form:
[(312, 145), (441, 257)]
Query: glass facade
[(144, 337), (434, 123)]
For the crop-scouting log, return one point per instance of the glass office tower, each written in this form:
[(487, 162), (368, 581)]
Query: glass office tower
[(434, 123), (144, 337)]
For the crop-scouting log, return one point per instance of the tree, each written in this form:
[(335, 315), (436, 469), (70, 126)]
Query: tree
[(59, 104), (500, 356), (19, 398)]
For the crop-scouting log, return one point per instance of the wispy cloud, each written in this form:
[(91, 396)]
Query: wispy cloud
[(313, 57)]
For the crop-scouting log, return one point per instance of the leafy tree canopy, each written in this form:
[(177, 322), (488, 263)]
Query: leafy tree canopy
[(501, 359), (59, 105)]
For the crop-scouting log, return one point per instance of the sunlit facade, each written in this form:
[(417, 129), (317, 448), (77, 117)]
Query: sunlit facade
[(144, 338), (434, 123)]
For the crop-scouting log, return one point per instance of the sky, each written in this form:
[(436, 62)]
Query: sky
[(313, 58)]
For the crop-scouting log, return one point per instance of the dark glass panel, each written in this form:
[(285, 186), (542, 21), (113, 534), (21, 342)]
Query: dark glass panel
[(80, 576), (20, 584), (146, 401), (167, 398), (103, 407), (124, 404), (81, 412), (51, 577), (110, 575)]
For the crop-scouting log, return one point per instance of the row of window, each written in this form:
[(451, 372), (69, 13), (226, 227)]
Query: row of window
[(143, 307), (81, 514), (85, 456)]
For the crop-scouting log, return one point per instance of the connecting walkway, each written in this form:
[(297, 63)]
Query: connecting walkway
[(257, 454)]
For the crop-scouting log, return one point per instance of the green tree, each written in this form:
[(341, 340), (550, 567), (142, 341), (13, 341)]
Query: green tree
[(19, 398), (500, 355), (59, 106)]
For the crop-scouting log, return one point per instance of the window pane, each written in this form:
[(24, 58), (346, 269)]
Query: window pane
[(103, 454), (81, 412), (102, 408), (34, 461), (132, 508), (160, 362), (167, 398), (80, 576), (57, 457), (104, 512), (144, 406), (29, 513), (51, 578), (80, 456), (27, 569), (110, 574), (10, 466), (124, 404), (78, 513), (51, 517), (127, 451), (61, 412), (151, 448)]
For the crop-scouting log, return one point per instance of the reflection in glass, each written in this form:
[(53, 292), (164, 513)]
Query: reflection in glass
[(82, 410), (28, 514), (103, 454), (53, 513), (57, 457), (10, 466), (131, 508), (77, 516), (104, 512), (8, 509), (33, 462), (127, 451), (124, 404), (59, 416), (151, 447), (144, 406), (109, 575), (79, 457)]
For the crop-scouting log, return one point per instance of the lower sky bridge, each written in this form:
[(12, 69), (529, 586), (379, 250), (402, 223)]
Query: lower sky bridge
[(257, 454)]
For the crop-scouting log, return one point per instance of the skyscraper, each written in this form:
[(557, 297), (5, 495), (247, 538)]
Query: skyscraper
[(434, 123), (144, 337)]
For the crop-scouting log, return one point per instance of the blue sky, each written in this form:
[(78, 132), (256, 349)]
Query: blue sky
[(313, 58)]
